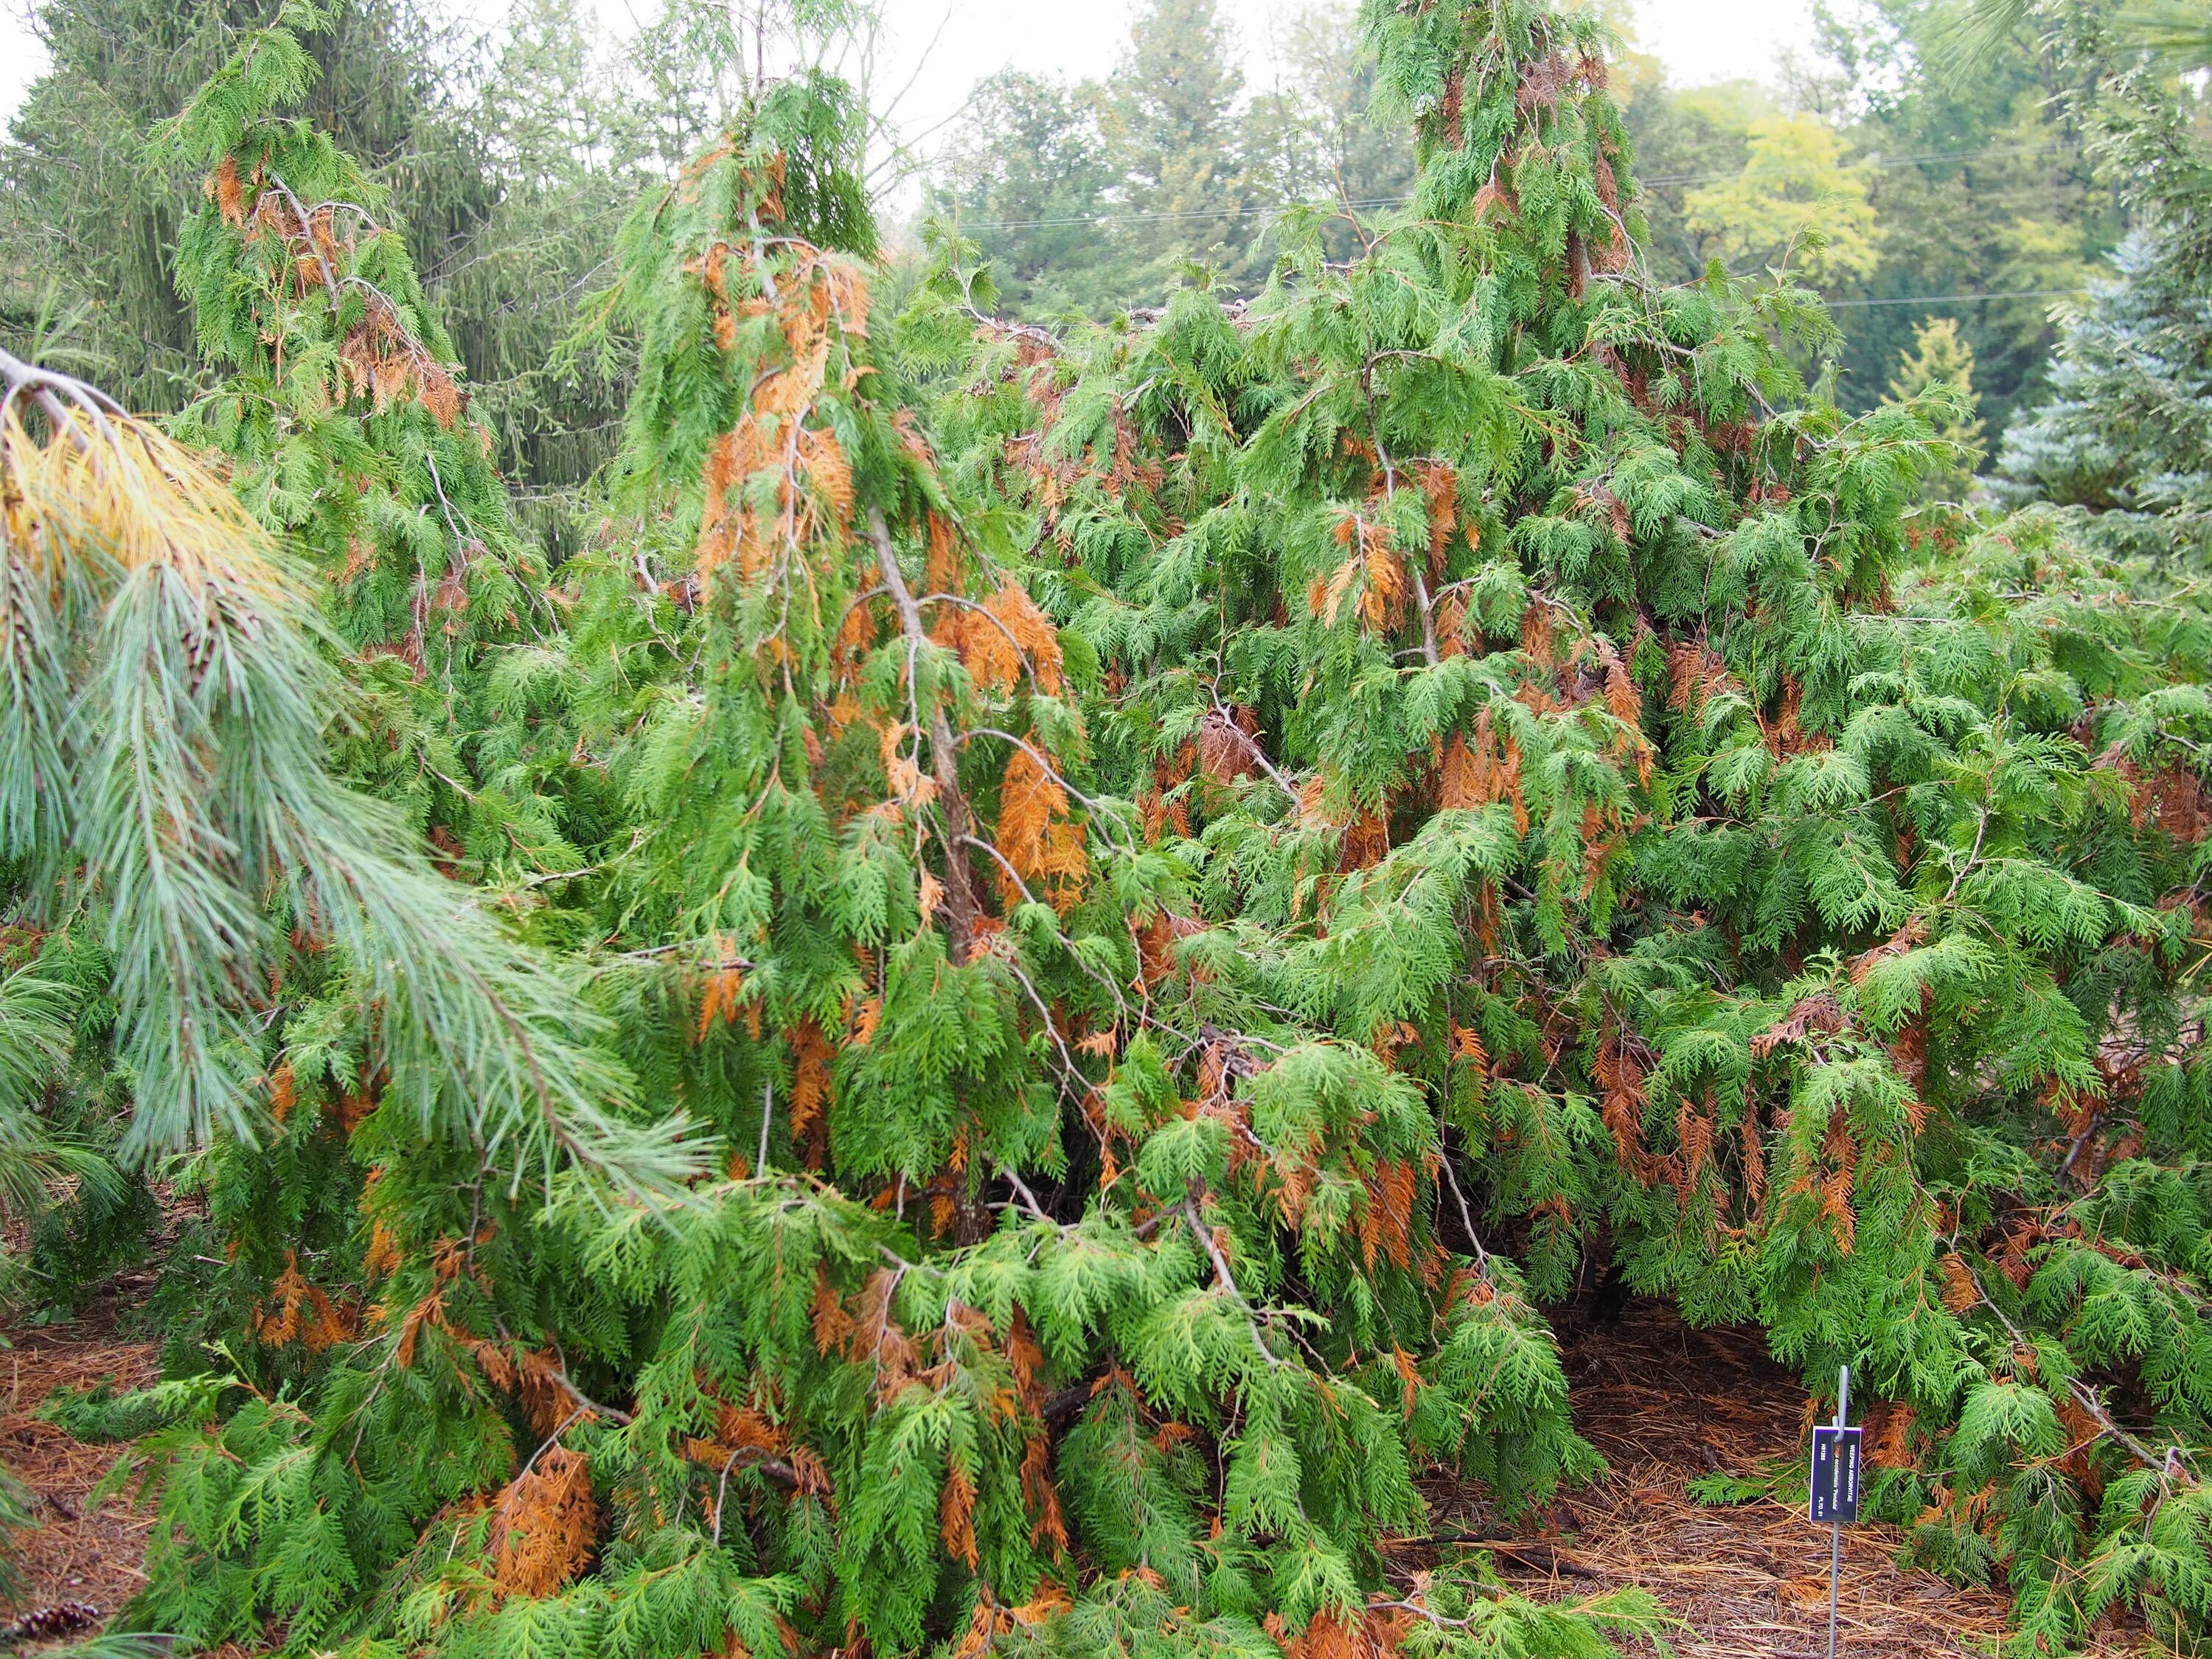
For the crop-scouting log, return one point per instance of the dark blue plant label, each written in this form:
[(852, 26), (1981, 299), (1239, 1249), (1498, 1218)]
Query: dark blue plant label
[(1835, 1475)]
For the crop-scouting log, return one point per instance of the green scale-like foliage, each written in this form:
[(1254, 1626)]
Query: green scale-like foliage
[(1530, 668), (1015, 1287), (347, 419), (1193, 875)]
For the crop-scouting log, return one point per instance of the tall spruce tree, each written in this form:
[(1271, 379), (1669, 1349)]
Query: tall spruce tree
[(83, 213), (1174, 101), (2125, 431)]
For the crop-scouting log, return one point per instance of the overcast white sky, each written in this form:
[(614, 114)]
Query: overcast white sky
[(1697, 40)]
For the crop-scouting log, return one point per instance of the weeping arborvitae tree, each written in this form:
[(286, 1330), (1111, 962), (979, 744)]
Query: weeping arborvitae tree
[(1522, 662), (336, 377), (252, 979), (272, 954), (347, 420), (1004, 1326), (90, 221)]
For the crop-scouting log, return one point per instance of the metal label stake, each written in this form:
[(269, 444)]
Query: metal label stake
[(1835, 1495)]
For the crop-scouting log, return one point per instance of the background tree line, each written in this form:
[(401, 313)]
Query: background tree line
[(1881, 182), (1943, 215)]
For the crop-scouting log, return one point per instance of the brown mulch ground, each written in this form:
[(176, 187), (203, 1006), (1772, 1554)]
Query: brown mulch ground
[(74, 1552), (1665, 1404)]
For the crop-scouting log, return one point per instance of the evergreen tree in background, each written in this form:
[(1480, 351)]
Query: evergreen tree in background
[(566, 154), (508, 174), (1029, 178), (2124, 435), (352, 433), (1173, 108), (1952, 186), (1940, 357), (1102, 196), (2127, 432)]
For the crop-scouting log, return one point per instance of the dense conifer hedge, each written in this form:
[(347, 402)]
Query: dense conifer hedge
[(991, 1029)]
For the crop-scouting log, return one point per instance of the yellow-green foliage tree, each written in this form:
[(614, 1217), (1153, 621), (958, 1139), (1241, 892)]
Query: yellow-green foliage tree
[(1940, 356), (1795, 206)]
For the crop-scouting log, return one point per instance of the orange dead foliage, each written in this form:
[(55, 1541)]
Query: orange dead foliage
[(1386, 1219), (1036, 835), (1694, 673), (1006, 632), (810, 1057), (1376, 1633), (1889, 1437), (1373, 565), (820, 302), (1693, 1141), (723, 997), (990, 1622), (1228, 745), (1485, 770), (282, 1097), (1818, 1015), (545, 1525), (1622, 1078), (1960, 1292), (1163, 809), (956, 1516), (2170, 799), (1440, 488), (302, 1314), (1754, 1153)]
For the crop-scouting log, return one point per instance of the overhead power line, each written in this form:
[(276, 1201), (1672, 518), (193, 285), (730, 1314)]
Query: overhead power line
[(1177, 213), (1960, 299), (1877, 164)]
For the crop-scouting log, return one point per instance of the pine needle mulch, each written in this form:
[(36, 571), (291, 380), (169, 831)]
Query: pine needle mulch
[(1665, 1404), (74, 1552)]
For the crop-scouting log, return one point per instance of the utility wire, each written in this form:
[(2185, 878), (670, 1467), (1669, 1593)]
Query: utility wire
[(1883, 164), (1178, 213), (1876, 163), (1960, 298)]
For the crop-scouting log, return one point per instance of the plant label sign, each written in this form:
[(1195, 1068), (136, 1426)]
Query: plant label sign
[(1835, 1474)]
